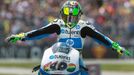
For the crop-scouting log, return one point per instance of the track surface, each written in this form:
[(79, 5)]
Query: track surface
[(23, 71)]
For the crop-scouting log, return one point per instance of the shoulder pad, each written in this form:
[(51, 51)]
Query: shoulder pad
[(89, 24), (86, 24), (57, 21), (54, 21), (81, 22)]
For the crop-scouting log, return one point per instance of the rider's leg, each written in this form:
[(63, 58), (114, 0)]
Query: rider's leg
[(83, 72)]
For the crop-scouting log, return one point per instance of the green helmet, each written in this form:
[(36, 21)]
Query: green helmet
[(70, 13)]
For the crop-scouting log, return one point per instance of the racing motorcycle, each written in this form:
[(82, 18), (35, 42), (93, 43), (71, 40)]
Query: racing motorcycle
[(60, 59)]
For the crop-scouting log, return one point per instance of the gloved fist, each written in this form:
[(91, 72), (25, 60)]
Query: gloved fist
[(120, 50), (15, 38)]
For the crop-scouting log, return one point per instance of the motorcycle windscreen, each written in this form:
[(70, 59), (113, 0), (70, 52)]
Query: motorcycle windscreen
[(61, 47)]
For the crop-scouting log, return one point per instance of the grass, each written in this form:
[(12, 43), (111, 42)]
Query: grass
[(104, 67), (21, 65), (117, 67), (6, 74)]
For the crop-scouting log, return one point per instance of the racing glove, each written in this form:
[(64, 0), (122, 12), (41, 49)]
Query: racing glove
[(120, 50), (15, 38)]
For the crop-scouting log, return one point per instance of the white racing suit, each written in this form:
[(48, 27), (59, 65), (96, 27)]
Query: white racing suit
[(73, 37)]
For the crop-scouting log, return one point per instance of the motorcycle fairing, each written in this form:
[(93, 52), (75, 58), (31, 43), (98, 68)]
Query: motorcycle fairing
[(60, 63)]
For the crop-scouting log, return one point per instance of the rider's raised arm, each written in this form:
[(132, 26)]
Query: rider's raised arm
[(42, 32), (90, 31)]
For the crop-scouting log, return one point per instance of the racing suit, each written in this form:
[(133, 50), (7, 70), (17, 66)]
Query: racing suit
[(73, 37)]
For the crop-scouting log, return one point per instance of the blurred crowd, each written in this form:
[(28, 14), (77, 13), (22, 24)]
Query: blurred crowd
[(114, 18)]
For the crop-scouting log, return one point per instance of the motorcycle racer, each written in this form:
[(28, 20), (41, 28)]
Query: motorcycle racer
[(70, 29)]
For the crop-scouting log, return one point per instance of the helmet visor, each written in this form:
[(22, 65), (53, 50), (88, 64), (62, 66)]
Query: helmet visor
[(67, 11)]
